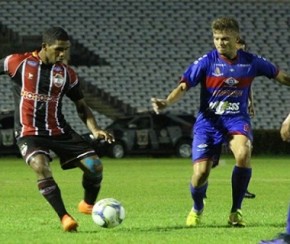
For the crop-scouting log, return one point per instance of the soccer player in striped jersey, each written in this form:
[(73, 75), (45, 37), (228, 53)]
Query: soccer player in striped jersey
[(225, 75), (40, 80)]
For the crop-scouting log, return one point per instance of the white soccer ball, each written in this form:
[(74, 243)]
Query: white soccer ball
[(108, 213)]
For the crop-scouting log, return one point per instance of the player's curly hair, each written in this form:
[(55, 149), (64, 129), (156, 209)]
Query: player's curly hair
[(225, 24), (53, 34)]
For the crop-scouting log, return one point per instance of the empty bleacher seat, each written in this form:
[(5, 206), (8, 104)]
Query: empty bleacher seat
[(150, 43)]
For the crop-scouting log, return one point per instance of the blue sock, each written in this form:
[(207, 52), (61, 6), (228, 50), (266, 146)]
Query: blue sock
[(240, 180), (288, 222), (198, 194)]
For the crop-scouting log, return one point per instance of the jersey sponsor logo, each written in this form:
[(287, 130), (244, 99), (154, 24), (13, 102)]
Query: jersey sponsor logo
[(58, 80), (37, 97), (228, 92), (231, 81), (244, 65), (222, 107)]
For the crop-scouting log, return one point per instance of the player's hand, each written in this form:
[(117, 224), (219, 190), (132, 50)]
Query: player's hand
[(285, 129), (103, 135), (158, 104)]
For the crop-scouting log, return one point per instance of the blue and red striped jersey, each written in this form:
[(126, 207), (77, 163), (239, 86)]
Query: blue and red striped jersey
[(225, 84)]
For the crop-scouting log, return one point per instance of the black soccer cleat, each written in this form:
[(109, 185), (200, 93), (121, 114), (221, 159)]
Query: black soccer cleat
[(249, 195)]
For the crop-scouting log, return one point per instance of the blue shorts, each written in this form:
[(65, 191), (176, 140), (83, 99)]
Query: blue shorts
[(210, 132)]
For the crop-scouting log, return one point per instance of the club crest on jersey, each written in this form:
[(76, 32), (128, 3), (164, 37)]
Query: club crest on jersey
[(57, 68), (58, 80), (231, 81), (217, 72)]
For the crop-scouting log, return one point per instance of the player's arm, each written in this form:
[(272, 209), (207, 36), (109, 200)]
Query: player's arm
[(283, 78), (88, 118), (174, 96), (251, 107), (285, 129)]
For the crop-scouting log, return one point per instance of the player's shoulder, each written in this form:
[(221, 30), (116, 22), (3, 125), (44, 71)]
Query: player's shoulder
[(71, 72), (204, 59), (250, 56), (13, 62), (68, 68), (254, 59), (19, 57)]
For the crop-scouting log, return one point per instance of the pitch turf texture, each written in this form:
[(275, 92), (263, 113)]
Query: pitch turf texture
[(155, 194)]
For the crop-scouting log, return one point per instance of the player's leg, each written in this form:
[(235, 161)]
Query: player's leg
[(283, 237), (249, 194), (73, 152), (240, 145), (205, 153), (288, 222), (91, 181), (198, 187), (199, 183), (50, 190)]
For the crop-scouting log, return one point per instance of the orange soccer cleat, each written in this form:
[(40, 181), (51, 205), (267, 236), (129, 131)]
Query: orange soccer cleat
[(68, 223), (85, 208)]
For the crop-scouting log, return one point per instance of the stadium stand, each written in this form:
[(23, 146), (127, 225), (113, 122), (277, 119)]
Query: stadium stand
[(147, 45)]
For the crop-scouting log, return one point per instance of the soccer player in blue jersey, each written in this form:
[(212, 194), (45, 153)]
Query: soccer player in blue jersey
[(283, 238), (225, 75)]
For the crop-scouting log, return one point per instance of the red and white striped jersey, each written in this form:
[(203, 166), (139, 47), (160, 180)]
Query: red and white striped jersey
[(38, 91)]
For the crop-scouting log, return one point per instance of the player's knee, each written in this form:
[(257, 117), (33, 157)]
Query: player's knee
[(40, 164), (93, 172), (200, 178), (244, 152), (243, 156), (94, 168)]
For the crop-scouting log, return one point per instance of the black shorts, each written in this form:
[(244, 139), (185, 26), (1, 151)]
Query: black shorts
[(70, 148)]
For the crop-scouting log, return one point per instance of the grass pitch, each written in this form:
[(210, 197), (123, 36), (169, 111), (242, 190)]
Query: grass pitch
[(155, 194)]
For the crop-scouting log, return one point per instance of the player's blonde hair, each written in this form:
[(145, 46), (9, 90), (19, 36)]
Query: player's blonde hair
[(225, 24)]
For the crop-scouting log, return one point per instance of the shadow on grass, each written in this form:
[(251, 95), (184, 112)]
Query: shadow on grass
[(182, 227)]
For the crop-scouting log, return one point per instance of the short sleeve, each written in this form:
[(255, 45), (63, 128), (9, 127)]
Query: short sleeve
[(195, 73)]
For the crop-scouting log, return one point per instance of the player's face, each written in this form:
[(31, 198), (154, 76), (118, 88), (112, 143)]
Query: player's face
[(57, 52), (226, 43)]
